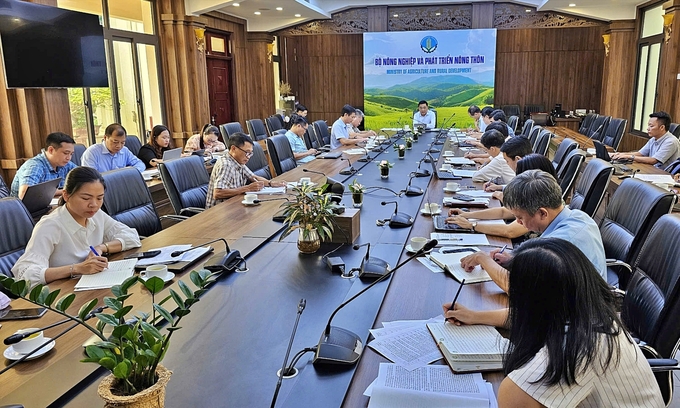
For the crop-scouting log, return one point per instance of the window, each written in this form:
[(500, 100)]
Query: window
[(649, 57)]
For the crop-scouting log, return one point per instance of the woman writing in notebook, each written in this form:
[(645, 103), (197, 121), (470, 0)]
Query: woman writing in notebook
[(152, 153), (59, 247), (207, 140), (568, 347)]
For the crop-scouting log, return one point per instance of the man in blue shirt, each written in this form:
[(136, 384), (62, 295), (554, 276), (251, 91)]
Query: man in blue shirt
[(53, 162), (424, 116), (339, 133), (112, 153), (499, 116), (295, 135)]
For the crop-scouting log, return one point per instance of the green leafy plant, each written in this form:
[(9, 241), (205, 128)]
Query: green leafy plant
[(385, 164), (310, 211), (356, 187), (399, 147), (136, 346)]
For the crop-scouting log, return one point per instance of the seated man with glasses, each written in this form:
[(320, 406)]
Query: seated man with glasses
[(231, 176), (112, 153), (296, 138)]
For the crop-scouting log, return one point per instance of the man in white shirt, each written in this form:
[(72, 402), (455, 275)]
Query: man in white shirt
[(424, 116), (661, 149), (497, 169), (476, 115), (339, 133)]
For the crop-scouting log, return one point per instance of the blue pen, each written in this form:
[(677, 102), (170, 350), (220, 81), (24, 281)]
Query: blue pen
[(94, 251), (501, 251)]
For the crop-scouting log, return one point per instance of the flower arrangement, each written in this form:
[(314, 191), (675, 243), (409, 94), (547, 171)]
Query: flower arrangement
[(356, 187), (409, 142), (285, 89), (384, 164), (400, 147)]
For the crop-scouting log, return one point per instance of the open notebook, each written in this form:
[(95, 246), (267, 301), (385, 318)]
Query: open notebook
[(115, 274), (451, 264)]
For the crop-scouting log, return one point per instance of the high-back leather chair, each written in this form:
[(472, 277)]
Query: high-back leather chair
[(310, 138), (572, 164), (281, 154), (630, 215), (651, 305), (586, 123), (513, 121), (542, 142), (273, 124), (127, 199), (186, 182), (614, 132), (256, 129), (528, 125), (511, 110), (258, 163), (567, 145), (322, 132), (4, 190), (133, 144), (78, 150), (532, 108), (230, 128), (598, 127), (591, 186), (17, 226), (533, 135), (674, 128)]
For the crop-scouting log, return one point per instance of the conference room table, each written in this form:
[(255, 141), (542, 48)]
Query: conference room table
[(234, 341)]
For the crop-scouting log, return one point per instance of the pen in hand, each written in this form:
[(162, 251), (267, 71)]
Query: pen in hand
[(500, 252), (94, 251), (453, 304)]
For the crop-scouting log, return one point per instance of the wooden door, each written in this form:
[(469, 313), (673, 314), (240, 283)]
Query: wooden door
[(220, 90)]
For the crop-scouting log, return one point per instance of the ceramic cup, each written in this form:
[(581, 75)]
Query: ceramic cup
[(446, 166), (155, 270), (30, 343), (448, 153), (452, 186), (250, 198), (406, 128), (305, 180), (418, 242), (431, 207)]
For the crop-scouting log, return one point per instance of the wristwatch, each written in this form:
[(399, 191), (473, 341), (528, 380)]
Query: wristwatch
[(474, 225)]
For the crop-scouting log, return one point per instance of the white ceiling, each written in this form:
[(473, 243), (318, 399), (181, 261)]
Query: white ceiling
[(271, 19)]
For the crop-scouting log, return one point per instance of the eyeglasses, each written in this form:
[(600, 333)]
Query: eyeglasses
[(248, 154)]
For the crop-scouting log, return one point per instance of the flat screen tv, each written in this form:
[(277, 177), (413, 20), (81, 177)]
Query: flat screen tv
[(49, 47)]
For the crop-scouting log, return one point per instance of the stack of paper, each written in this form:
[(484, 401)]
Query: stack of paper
[(451, 263), (427, 387), (165, 256), (407, 344), (272, 190), (464, 173), (470, 348), (115, 274), (458, 161), (478, 201), (445, 238), (656, 178), (354, 151), (149, 174)]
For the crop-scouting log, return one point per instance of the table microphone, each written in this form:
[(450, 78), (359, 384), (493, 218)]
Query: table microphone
[(419, 172), (226, 261), (341, 346), (366, 158), (413, 191), (17, 337), (398, 220), (371, 267), (349, 170), (286, 372), (332, 186)]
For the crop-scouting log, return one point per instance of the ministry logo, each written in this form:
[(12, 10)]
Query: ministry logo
[(428, 44)]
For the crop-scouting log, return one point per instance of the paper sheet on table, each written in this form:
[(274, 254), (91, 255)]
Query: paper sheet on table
[(446, 238), (464, 173), (115, 274), (477, 201), (165, 256), (656, 178), (149, 174), (458, 160), (430, 265), (591, 151), (476, 193), (410, 348), (354, 151), (398, 325), (272, 190)]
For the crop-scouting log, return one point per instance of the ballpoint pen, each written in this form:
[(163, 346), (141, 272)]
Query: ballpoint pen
[(94, 251), (456, 297), (500, 252)]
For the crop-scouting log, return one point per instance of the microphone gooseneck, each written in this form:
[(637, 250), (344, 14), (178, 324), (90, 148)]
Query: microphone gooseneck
[(285, 372), (178, 253)]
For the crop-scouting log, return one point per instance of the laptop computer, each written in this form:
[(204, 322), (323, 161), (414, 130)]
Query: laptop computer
[(172, 154), (442, 174), (330, 155), (38, 196), (462, 143), (440, 224), (602, 153)]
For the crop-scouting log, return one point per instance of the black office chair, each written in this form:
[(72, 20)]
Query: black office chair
[(532, 108), (230, 128), (674, 128), (78, 150), (186, 181), (572, 164), (542, 142), (591, 186), (511, 110), (258, 163), (279, 132), (127, 199), (598, 127), (513, 121), (133, 144), (281, 154), (533, 135), (310, 138), (322, 132), (651, 305), (256, 129), (273, 124), (630, 215), (567, 145), (614, 132), (281, 119), (17, 226), (526, 129), (4, 190), (586, 123)]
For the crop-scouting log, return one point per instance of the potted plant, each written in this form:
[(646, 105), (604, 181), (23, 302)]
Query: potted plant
[(357, 191), (416, 134), (401, 150), (135, 347), (409, 143), (385, 167), (312, 213)]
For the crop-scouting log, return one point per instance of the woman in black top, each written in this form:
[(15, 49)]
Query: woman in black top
[(152, 152)]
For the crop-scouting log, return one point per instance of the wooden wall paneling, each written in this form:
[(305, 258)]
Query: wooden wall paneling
[(260, 76), (667, 86), (482, 15), (618, 73), (377, 18), (185, 97), (23, 122), (171, 79)]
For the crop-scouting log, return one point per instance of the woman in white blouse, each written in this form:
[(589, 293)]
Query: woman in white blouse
[(60, 244)]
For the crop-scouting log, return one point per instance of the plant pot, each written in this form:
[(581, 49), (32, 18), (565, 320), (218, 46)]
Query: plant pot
[(357, 199), (415, 137), (401, 153), (409, 145), (384, 172), (309, 244), (152, 397)]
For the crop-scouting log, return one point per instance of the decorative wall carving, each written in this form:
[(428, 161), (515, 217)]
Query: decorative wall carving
[(351, 21), (430, 18), (507, 15)]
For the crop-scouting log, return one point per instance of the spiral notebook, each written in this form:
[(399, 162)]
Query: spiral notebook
[(115, 274)]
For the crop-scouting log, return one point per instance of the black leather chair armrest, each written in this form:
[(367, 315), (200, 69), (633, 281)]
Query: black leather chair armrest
[(190, 211), (618, 263)]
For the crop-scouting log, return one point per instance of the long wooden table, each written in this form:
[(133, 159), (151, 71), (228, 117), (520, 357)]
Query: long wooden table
[(245, 319)]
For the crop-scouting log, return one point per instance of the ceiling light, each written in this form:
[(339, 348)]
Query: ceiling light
[(528, 10), (298, 15), (437, 14), (396, 15), (236, 4), (279, 8), (572, 4), (257, 13)]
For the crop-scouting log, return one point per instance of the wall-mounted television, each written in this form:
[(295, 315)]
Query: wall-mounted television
[(49, 47)]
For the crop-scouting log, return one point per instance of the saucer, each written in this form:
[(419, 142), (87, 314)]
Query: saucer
[(410, 249), (422, 211), (167, 278), (244, 202), (449, 155), (10, 354), (452, 191)]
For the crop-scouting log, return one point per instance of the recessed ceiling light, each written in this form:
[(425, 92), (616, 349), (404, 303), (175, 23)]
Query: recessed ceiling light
[(257, 13), (528, 10), (279, 8), (236, 4), (298, 15), (396, 15), (572, 4), (437, 14)]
